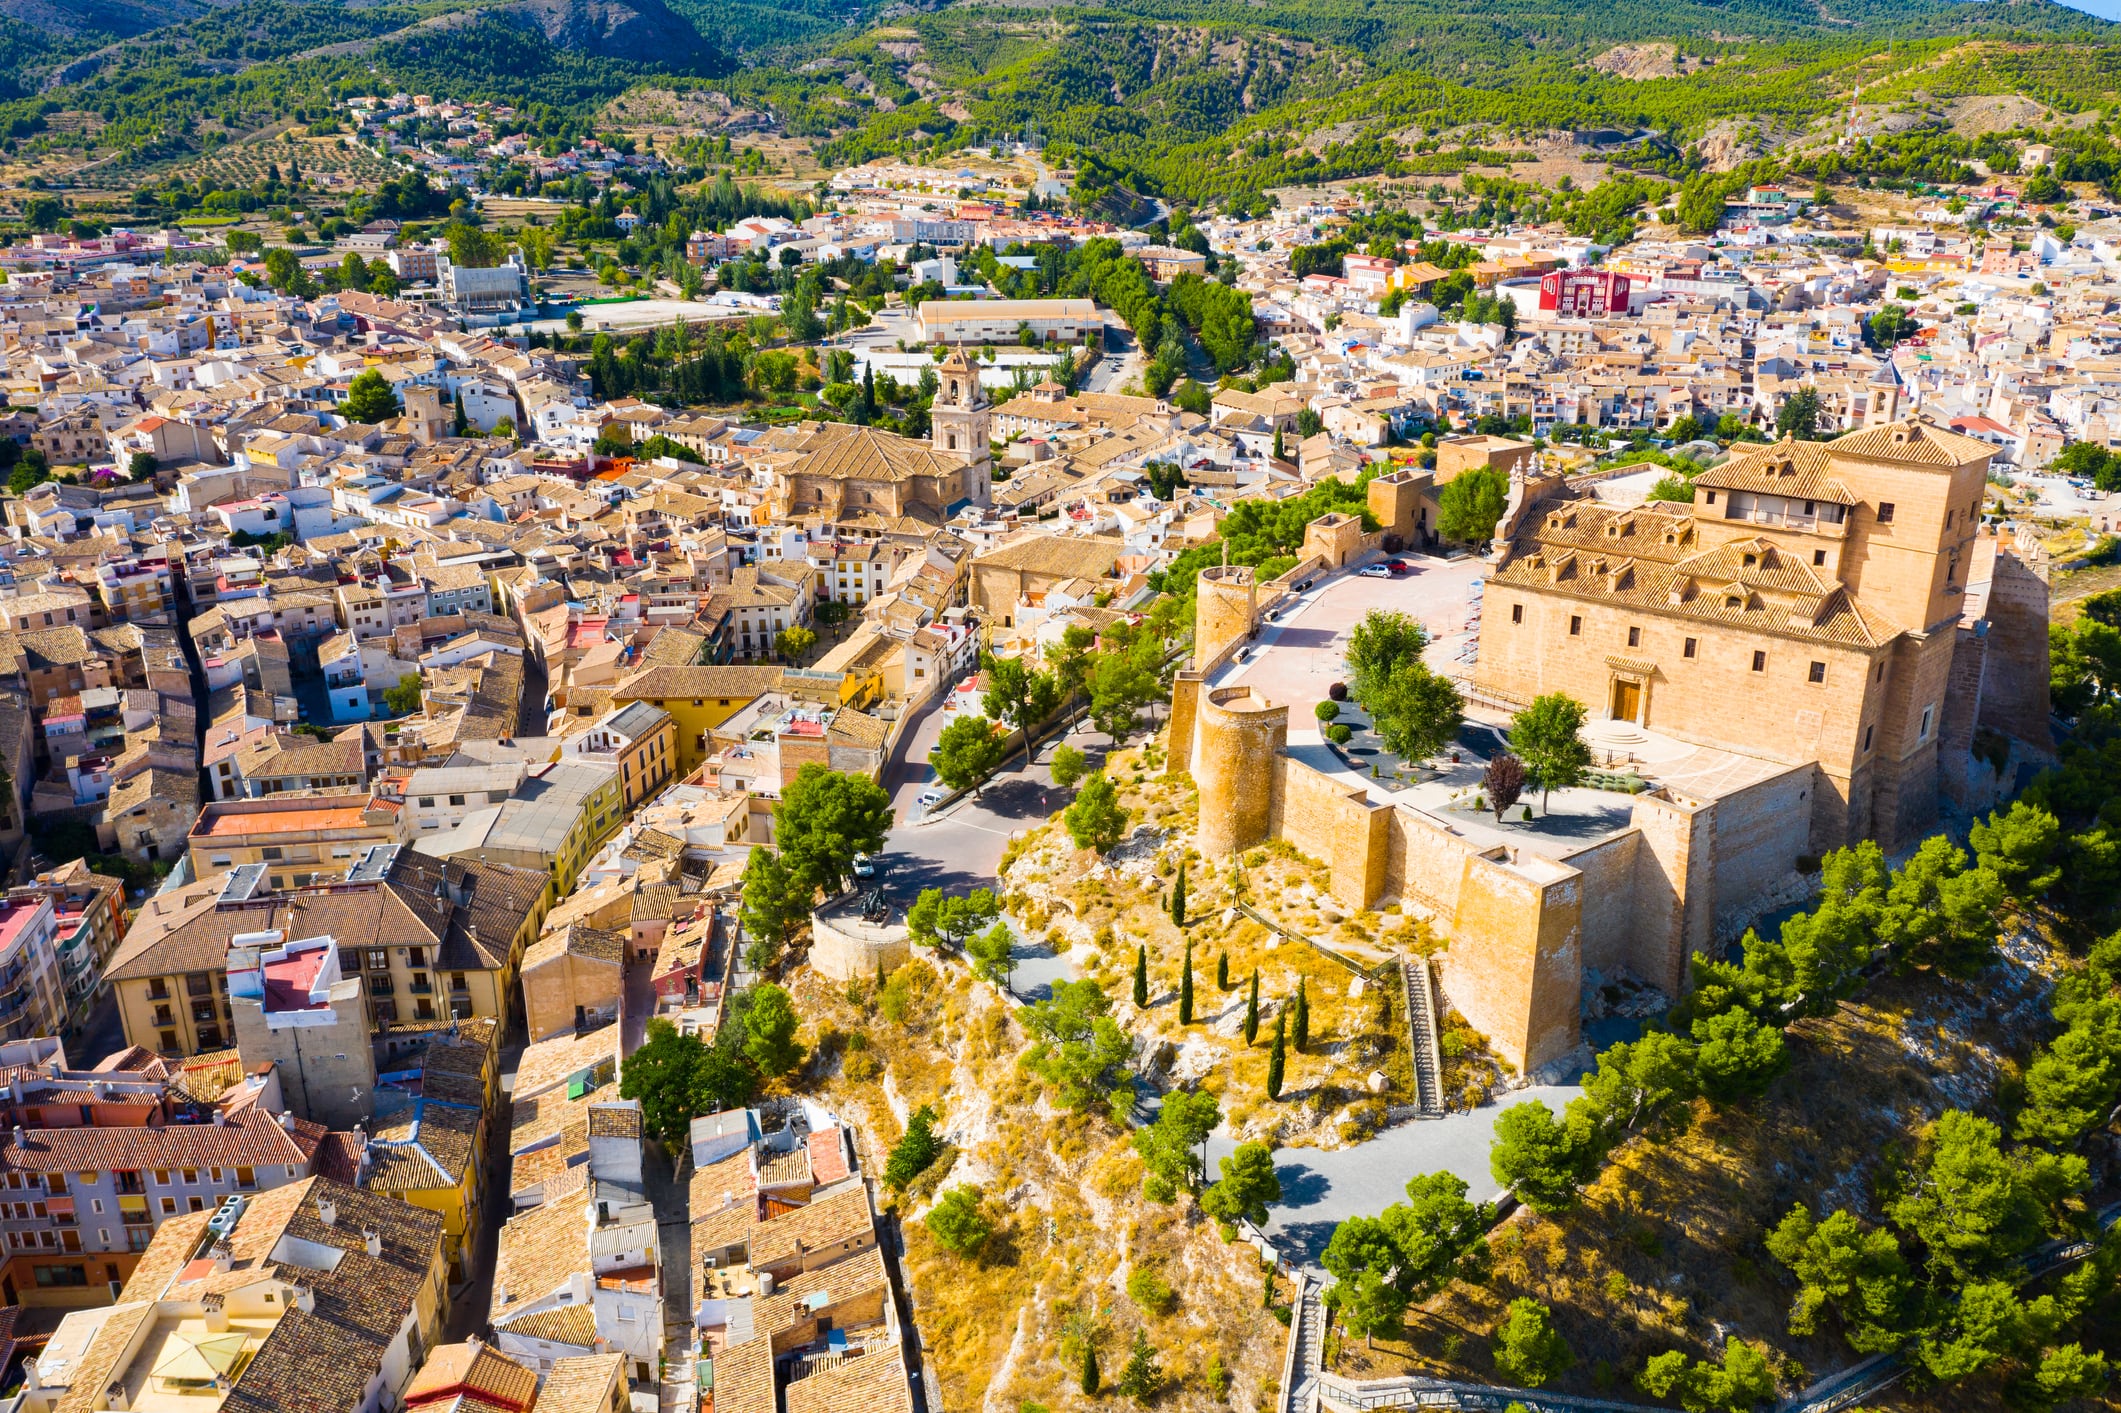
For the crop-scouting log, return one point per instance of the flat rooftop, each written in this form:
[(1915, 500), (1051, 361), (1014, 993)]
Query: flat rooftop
[(179, 1360), (290, 980), (212, 825)]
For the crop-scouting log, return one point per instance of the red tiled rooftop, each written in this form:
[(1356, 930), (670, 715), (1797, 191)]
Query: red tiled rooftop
[(828, 1156)]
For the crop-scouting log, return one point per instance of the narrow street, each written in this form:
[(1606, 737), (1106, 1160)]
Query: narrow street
[(469, 1307)]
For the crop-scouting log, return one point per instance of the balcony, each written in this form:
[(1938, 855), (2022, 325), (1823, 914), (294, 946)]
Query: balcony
[(421, 986)]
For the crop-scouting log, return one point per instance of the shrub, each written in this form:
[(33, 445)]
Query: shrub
[(1326, 710), (957, 1223), (1338, 691), (1340, 733), (1151, 1291)]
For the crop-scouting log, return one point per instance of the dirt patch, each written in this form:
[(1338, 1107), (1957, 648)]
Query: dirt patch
[(1985, 113), (1660, 59)]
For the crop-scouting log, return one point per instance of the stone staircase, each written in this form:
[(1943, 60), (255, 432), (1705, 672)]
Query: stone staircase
[(1307, 1345), (1422, 1047)]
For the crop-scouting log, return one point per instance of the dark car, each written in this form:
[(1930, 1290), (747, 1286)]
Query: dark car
[(1398, 566)]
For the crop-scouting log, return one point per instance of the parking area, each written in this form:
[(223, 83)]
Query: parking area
[(1304, 649)]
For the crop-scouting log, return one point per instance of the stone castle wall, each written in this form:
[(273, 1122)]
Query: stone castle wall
[(1237, 737)]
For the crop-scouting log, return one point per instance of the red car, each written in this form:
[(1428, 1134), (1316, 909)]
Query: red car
[(1397, 566)]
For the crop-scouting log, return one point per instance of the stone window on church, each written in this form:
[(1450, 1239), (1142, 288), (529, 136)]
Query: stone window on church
[(1688, 650), (1885, 512), (1634, 637), (1759, 662), (1818, 673), (1575, 624)]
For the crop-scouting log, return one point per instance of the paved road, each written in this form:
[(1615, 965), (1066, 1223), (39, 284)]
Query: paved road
[(1320, 1188), (470, 1306)]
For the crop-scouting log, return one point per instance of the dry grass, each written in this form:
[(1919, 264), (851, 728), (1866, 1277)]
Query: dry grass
[(1065, 1194), (1071, 895)]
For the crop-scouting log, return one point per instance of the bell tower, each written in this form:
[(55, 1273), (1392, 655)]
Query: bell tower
[(958, 424)]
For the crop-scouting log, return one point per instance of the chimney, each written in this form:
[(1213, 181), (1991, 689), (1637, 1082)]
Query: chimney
[(287, 1120), (327, 1211), (18, 1135), (373, 1240)]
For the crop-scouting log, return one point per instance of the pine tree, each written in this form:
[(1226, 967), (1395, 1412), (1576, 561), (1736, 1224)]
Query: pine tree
[(1141, 1378), (1089, 1384), (1222, 971), (880, 974), (1185, 987), (1278, 1057), (1141, 978), (1178, 896), (1252, 1010), (1300, 1028)]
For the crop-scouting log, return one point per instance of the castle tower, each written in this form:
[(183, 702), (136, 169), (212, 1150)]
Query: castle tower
[(425, 415), (958, 424), (1226, 606), (1237, 736)]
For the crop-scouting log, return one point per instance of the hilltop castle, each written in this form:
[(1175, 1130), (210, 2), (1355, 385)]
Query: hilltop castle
[(1826, 625)]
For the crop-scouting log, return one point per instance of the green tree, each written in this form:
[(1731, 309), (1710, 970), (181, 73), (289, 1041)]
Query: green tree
[(403, 696), (2021, 847), (1120, 688), (915, 1152), (1416, 712), (1078, 1049), (1860, 1275), (966, 753), (795, 642), (774, 906), (1636, 1079), (1178, 902), (771, 1023), (993, 954), (1088, 1381), (1185, 986), (140, 466), (1546, 736), (1247, 1187), (1278, 1056), (958, 1222), (473, 248), (1069, 765), (938, 920), (1300, 1024), (1939, 913), (823, 820), (1470, 505), (1096, 819), (1734, 1385), (1141, 976), (1975, 1207), (660, 1075), (1252, 1010), (1141, 1379), (1528, 1349), (1382, 642), (369, 399), (2068, 1373), (1543, 1157), (1018, 695), (1170, 1147), (1222, 971), (1737, 1056), (1799, 415)]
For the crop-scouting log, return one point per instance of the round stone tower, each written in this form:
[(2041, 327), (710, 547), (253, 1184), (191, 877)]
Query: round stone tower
[(1237, 734), (1225, 607)]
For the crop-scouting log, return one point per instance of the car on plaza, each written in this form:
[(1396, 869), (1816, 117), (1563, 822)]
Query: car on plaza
[(866, 866), (1374, 571), (1398, 566)]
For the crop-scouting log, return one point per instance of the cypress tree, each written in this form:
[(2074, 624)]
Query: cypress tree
[(1278, 1057), (1301, 1026), (1141, 977), (1089, 1384), (1252, 1010), (1222, 971), (1178, 896), (1185, 987)]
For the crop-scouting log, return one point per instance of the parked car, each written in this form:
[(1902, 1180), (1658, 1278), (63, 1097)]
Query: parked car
[(1244, 654), (1374, 571), (928, 799), (1398, 566), (866, 866)]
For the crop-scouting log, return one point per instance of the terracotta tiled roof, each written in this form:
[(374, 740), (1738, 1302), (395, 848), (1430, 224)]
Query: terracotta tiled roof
[(248, 1139), (539, 1250), (871, 1383), (475, 1369), (581, 1384)]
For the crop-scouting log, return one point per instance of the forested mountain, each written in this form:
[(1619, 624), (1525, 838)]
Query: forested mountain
[(1190, 100)]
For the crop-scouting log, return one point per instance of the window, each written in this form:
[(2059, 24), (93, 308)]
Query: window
[(1759, 662), (1688, 650), (1818, 556), (195, 1204), (427, 802), (1634, 637), (269, 852), (1928, 714), (1818, 672), (1881, 670), (1867, 739), (1885, 512), (162, 1177), (191, 1177), (246, 1179), (169, 1206), (1575, 624), (1711, 500)]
